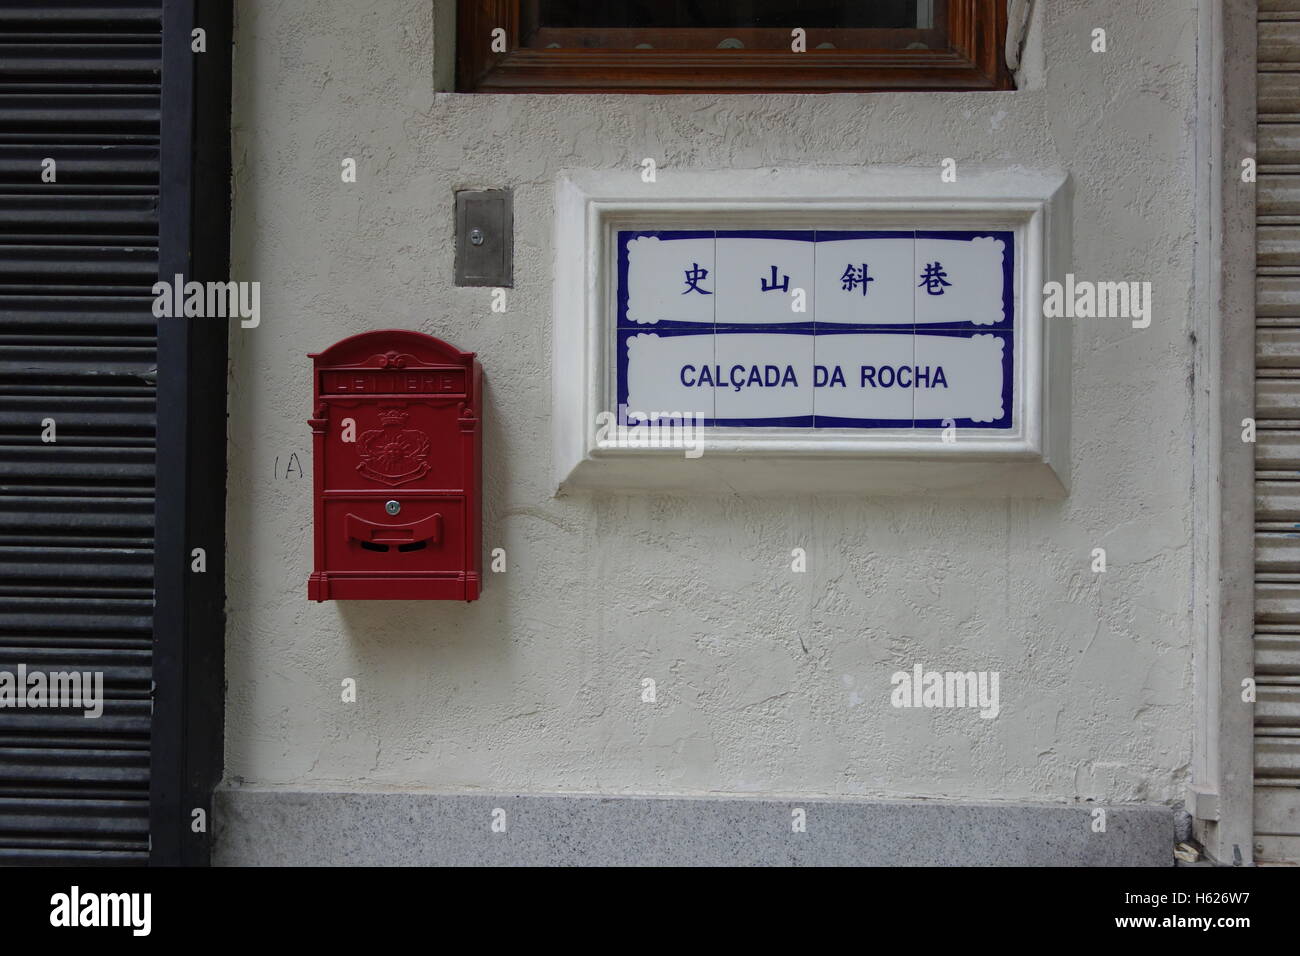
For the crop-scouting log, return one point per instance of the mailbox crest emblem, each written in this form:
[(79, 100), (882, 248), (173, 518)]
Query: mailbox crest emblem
[(392, 454)]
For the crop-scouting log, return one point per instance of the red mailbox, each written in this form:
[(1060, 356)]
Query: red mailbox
[(397, 447)]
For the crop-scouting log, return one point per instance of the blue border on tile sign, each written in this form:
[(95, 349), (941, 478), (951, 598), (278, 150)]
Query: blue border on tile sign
[(840, 235), (828, 421), (624, 335), (791, 235), (834, 421), (1008, 274), (795, 421), (1004, 329), (621, 296), (1008, 379)]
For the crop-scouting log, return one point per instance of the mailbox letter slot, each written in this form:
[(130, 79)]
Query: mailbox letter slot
[(429, 530)]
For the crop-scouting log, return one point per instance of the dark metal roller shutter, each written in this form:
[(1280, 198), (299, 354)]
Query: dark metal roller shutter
[(1277, 450), (79, 83)]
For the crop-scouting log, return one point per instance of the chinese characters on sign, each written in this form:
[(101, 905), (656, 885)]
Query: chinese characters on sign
[(854, 277), (818, 329), (934, 280), (694, 276)]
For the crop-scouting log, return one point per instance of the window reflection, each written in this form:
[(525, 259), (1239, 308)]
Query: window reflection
[(731, 24)]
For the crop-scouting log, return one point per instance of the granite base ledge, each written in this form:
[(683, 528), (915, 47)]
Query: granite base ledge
[(275, 827)]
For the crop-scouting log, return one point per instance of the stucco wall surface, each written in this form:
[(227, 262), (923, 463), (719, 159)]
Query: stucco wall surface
[(768, 681)]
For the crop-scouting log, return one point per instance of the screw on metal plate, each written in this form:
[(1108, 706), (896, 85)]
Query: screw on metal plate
[(476, 236), (393, 507)]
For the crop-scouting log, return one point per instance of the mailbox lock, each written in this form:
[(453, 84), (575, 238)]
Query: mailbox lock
[(392, 507)]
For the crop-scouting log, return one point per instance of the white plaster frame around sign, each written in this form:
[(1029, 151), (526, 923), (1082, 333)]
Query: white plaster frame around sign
[(1032, 459)]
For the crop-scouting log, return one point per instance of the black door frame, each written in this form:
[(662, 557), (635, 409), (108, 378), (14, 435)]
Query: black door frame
[(186, 749)]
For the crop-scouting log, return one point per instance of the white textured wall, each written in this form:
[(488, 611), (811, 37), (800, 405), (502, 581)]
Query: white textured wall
[(768, 681)]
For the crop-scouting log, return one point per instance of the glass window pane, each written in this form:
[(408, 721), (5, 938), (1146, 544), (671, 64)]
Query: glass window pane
[(734, 24), (809, 14)]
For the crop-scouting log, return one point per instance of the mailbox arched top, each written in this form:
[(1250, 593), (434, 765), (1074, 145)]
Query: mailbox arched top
[(391, 348)]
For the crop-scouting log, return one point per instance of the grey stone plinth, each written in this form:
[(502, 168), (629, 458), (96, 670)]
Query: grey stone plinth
[(326, 828)]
